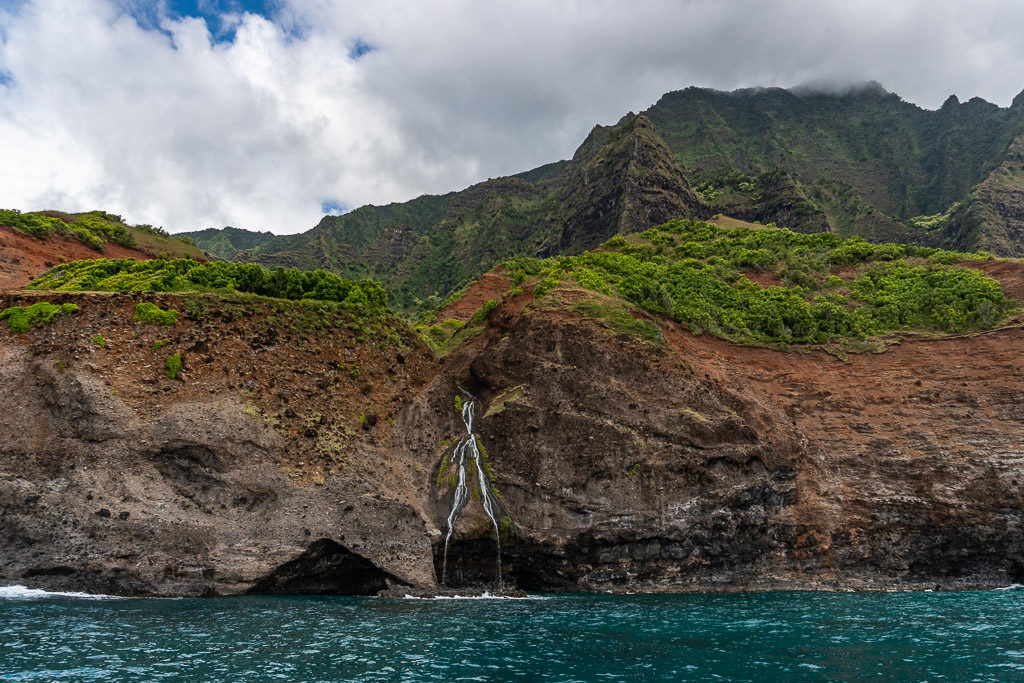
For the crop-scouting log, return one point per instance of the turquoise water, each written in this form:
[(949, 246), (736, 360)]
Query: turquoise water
[(757, 636)]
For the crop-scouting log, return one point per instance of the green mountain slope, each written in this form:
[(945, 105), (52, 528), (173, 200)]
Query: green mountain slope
[(865, 159), (622, 179), (993, 217), (226, 242)]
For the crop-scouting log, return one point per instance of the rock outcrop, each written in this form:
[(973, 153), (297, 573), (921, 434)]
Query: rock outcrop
[(256, 468), (992, 219), (624, 180)]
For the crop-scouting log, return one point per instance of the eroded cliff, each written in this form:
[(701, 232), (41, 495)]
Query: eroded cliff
[(693, 463), (264, 464), (299, 451)]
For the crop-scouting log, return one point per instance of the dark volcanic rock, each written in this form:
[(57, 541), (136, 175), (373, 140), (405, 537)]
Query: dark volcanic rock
[(705, 465), (622, 466)]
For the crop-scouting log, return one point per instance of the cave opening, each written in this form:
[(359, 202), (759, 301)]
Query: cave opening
[(326, 568)]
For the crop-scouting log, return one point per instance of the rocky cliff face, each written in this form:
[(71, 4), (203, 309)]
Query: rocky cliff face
[(263, 465), (701, 464), (648, 473), (672, 462), (624, 180)]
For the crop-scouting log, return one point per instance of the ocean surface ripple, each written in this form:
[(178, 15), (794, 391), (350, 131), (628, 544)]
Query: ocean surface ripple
[(756, 636)]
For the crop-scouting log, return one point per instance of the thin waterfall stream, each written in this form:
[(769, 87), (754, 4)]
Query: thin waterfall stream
[(467, 445)]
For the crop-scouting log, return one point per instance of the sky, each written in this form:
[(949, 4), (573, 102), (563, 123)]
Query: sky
[(266, 114)]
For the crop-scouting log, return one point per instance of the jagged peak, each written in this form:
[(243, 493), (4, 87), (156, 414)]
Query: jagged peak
[(1018, 101), (951, 102), (600, 136), (596, 139), (627, 119)]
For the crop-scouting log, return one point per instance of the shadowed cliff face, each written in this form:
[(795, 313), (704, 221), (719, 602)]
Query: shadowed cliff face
[(993, 217)]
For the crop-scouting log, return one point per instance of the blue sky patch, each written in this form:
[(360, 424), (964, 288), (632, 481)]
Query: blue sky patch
[(212, 9), (359, 49), (149, 14), (333, 207), (6, 78)]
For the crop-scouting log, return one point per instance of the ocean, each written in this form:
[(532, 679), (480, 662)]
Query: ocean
[(907, 636)]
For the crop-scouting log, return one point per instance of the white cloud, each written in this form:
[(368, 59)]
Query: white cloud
[(171, 128)]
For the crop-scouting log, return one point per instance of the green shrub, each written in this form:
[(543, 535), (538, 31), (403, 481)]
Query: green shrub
[(482, 312), (521, 267), (173, 365), (94, 228), (100, 340), (692, 272), (152, 314), (175, 275), (23, 318), (157, 345), (546, 285)]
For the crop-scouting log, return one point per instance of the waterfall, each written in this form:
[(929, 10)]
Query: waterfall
[(467, 445)]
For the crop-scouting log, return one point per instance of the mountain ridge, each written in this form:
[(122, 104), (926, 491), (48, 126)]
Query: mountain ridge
[(863, 162)]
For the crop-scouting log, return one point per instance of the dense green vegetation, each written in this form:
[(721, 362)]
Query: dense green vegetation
[(694, 273), (152, 314), (94, 228), (23, 318), (175, 275)]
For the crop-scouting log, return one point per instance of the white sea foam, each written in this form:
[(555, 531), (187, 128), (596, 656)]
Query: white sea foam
[(486, 595), (1011, 587), (25, 593)]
